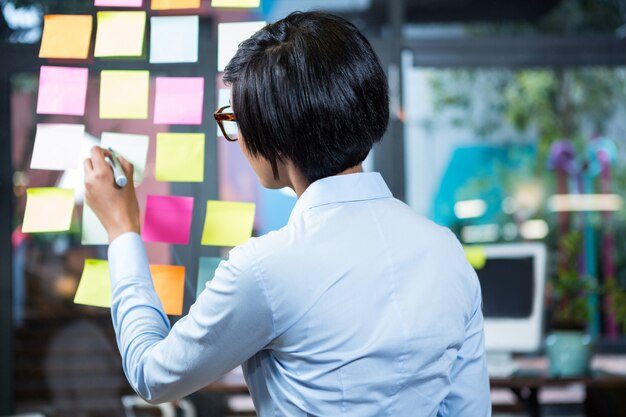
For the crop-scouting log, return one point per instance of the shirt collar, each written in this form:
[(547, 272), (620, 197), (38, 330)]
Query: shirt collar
[(340, 189)]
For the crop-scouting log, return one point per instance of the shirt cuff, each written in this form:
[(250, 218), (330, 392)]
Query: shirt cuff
[(127, 258)]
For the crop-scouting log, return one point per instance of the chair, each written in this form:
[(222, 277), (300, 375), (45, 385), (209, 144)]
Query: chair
[(133, 402)]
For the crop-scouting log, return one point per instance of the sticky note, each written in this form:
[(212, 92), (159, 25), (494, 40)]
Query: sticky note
[(48, 210), (180, 157), (174, 4), (124, 94), (229, 36), (167, 219), (476, 256), (57, 146), (179, 100), (94, 288), (120, 34), (174, 39), (66, 36), (118, 3), (169, 283), (92, 231), (133, 148), (206, 271), (62, 90), (227, 223), (236, 3)]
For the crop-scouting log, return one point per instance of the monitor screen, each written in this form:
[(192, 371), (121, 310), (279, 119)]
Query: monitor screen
[(508, 287)]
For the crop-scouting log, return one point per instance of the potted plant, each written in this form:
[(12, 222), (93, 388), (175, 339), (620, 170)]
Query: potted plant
[(568, 346)]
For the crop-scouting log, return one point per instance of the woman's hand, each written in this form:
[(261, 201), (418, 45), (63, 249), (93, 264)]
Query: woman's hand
[(116, 208)]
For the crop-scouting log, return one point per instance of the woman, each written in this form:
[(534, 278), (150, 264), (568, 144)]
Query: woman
[(358, 307)]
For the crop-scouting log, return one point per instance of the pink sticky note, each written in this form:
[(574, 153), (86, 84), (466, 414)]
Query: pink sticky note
[(62, 90), (119, 3), (168, 219), (179, 100)]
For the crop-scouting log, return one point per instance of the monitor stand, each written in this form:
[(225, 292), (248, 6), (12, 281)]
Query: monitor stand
[(501, 364)]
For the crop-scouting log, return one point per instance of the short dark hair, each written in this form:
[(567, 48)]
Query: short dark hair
[(310, 89)]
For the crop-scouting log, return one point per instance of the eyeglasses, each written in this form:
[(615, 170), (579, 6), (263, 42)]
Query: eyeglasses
[(227, 123)]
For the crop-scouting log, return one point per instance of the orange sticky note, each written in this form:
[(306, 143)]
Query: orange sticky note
[(174, 4), (66, 36), (169, 283)]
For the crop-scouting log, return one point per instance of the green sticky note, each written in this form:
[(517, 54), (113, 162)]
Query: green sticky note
[(94, 288), (206, 272), (180, 157), (48, 209), (120, 34), (124, 94), (476, 256), (93, 232), (227, 223)]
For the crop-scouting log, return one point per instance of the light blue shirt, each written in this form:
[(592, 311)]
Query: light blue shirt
[(358, 307)]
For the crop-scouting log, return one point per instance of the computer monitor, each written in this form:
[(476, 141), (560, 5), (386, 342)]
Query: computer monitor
[(512, 280)]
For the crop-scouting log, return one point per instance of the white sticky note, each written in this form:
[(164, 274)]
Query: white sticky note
[(229, 36), (173, 39), (133, 148), (57, 146), (93, 232)]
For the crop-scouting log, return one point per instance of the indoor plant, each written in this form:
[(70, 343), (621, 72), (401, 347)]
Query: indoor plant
[(568, 346)]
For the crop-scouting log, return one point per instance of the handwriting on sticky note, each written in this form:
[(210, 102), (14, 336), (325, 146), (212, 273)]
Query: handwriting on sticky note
[(124, 94), (94, 288), (57, 146), (179, 100), (174, 4), (229, 36), (180, 157), (206, 271), (66, 36), (476, 256), (227, 223), (173, 39), (120, 34), (167, 219), (48, 209), (236, 3), (62, 90), (133, 148)]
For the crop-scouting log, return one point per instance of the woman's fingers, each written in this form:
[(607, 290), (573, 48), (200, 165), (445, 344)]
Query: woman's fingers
[(128, 168)]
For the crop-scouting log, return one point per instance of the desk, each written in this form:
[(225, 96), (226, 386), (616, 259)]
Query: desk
[(605, 385)]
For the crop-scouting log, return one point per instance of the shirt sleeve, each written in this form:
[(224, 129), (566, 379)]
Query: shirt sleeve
[(469, 392), (230, 321)]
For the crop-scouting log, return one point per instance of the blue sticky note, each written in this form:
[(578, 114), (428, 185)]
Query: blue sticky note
[(206, 272)]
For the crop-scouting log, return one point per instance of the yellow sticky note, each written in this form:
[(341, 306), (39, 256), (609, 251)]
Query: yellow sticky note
[(476, 256), (174, 4), (180, 157), (236, 3), (227, 223), (124, 94), (48, 210), (66, 36), (120, 34), (94, 288)]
